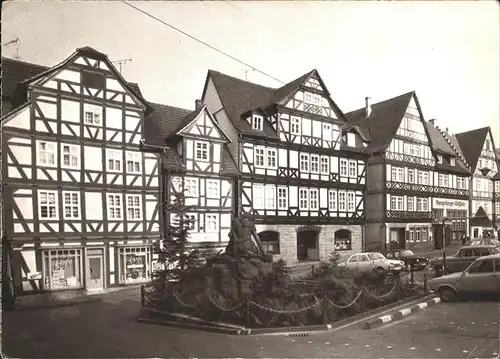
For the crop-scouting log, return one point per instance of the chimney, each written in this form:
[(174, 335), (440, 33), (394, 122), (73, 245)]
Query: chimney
[(198, 104), (446, 129), (368, 107), (432, 121)]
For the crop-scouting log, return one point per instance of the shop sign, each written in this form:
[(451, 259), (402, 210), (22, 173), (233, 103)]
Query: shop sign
[(438, 203), (34, 275)]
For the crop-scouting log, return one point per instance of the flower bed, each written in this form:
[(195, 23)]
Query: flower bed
[(324, 296)]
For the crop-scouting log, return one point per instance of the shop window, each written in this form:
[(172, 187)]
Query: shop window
[(343, 240), (270, 241), (62, 269), (134, 264)]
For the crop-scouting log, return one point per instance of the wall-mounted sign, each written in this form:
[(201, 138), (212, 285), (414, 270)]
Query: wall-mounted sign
[(444, 203), (34, 275)]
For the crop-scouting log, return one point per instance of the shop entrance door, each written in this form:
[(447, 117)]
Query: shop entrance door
[(95, 269)]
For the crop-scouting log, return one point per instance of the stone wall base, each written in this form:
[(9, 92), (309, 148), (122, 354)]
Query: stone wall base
[(326, 244)]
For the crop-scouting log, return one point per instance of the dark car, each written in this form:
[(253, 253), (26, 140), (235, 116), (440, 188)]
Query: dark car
[(464, 257), (410, 259)]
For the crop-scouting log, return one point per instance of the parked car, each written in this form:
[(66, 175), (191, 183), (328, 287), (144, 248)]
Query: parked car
[(411, 259), (481, 279), (463, 258), (369, 262)]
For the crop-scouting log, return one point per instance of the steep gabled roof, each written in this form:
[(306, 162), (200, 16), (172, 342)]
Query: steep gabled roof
[(238, 97), (439, 144), (481, 219), (17, 73), (471, 144), (190, 117), (161, 122), (165, 120), (383, 122)]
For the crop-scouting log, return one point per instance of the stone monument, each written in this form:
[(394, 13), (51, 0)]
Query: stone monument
[(242, 263)]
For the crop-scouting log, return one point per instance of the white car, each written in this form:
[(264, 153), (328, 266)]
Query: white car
[(371, 261)]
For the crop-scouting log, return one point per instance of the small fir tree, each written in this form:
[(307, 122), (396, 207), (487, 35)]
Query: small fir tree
[(177, 256)]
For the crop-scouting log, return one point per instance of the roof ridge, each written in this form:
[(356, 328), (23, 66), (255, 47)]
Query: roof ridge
[(24, 62), (474, 130), (173, 107), (241, 80), (383, 101)]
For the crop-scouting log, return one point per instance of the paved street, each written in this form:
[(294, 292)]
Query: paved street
[(109, 329)]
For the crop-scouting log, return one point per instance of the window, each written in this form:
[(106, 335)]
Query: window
[(304, 162), (71, 202), (314, 163), (332, 200), (422, 204), (212, 189), (114, 160), (313, 202), (303, 198), (352, 169), (62, 268), (485, 266), (114, 206), (257, 122), (46, 153), (71, 156), (343, 167), (211, 223), (342, 240), (134, 206), (191, 187), (342, 201), (47, 204), (258, 196), (398, 174), (271, 158), (201, 151), (133, 162), (411, 176), (325, 168), (350, 202), (452, 161), (282, 198), (192, 222), (259, 157), (134, 264), (92, 114), (397, 203), (270, 197), (270, 242), (410, 207), (295, 126)]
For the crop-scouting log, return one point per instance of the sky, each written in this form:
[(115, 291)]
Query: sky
[(448, 52)]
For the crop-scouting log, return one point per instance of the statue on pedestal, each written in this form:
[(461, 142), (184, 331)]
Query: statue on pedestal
[(244, 241)]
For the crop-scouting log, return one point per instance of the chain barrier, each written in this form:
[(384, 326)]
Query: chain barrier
[(182, 303), (233, 309), (279, 311), (339, 306), (383, 295)]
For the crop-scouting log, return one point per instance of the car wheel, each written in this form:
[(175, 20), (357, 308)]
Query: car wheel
[(447, 294)]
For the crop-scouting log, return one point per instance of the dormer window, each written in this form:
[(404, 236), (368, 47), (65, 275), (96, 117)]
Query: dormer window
[(452, 161), (257, 122), (92, 114), (440, 159), (202, 151)]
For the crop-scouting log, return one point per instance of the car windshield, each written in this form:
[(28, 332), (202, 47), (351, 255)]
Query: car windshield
[(373, 256), (407, 252), (495, 249)]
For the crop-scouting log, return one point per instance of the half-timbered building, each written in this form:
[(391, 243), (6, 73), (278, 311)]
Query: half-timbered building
[(302, 176), (197, 163), (478, 148), (414, 176), (80, 196)]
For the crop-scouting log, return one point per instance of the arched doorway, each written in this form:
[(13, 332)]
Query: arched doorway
[(270, 241), (308, 243)]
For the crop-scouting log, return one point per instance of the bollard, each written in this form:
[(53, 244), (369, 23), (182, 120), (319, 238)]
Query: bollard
[(325, 309), (425, 282), (312, 269), (412, 276), (143, 299)]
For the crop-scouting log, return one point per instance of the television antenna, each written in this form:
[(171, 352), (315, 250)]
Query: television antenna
[(121, 63), (17, 42)]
